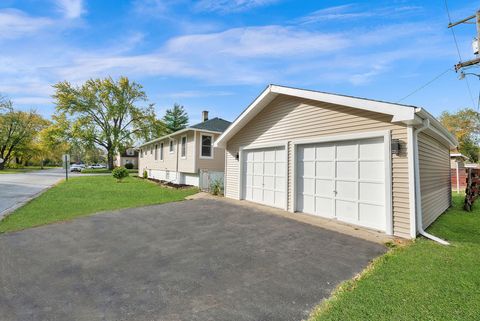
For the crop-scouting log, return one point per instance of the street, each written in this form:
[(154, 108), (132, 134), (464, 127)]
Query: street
[(18, 188)]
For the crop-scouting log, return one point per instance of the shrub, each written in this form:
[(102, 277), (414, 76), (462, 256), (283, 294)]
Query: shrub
[(129, 166), (145, 174), (216, 187), (120, 173)]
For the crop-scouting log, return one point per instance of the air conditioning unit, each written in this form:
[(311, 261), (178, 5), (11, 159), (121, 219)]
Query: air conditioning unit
[(475, 46)]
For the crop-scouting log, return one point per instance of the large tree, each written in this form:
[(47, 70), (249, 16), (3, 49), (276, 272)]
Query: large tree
[(175, 119), (465, 126), (17, 131), (105, 112)]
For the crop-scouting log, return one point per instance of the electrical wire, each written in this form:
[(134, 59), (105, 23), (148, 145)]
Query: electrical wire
[(458, 51), (426, 84)]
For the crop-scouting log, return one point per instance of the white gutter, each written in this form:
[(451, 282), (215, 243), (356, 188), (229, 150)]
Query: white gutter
[(418, 193)]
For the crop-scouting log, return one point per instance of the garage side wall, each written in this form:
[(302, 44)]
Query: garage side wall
[(289, 118), (435, 183)]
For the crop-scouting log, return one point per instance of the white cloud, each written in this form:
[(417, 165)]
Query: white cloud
[(225, 6), (15, 23), (71, 9)]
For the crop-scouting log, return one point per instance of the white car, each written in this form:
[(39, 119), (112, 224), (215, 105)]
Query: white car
[(76, 167), (97, 166)]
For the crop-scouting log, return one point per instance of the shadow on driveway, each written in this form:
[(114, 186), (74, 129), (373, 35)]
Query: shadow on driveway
[(192, 260)]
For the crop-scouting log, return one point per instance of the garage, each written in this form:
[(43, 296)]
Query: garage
[(265, 175), (373, 164), (343, 180)]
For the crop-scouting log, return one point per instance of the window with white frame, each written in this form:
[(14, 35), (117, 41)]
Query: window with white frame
[(156, 151), (207, 146), (161, 151), (170, 148), (183, 151)]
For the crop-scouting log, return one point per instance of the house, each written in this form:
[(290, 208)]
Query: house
[(129, 155), (183, 156), (458, 173), (374, 164)]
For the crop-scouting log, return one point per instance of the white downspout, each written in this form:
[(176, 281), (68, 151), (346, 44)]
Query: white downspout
[(458, 177), (418, 194)]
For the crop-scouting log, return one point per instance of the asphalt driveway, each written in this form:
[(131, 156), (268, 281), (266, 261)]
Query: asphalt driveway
[(192, 260)]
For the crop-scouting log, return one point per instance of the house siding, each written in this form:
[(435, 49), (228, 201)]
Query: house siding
[(217, 164), (287, 118), (435, 183)]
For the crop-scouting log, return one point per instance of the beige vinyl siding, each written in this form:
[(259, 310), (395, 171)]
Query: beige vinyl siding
[(218, 162), (435, 184), (287, 118)]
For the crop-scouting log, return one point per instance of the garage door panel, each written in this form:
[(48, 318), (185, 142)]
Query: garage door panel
[(324, 187), (372, 170), (257, 194), (280, 155), (346, 190), (269, 195), (279, 199), (258, 168), (372, 216), (324, 206), (280, 184), (269, 155), (347, 169), (269, 168), (306, 204), (308, 186), (307, 169), (369, 149), (307, 152), (346, 151), (325, 152), (324, 169), (346, 210), (269, 182), (372, 192), (257, 181), (280, 169)]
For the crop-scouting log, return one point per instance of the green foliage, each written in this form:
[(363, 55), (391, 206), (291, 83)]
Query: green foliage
[(104, 112), (465, 126), (145, 174), (216, 187), (120, 173), (19, 133), (175, 119), (86, 195), (129, 166)]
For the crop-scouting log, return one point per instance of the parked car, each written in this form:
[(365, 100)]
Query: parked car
[(76, 167), (97, 166)]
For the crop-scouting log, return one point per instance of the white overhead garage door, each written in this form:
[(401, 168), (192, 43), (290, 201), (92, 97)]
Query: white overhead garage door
[(264, 176), (343, 180)]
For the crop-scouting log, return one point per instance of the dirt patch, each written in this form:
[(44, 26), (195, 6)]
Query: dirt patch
[(169, 184)]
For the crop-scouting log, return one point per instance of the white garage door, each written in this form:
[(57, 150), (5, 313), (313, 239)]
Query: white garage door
[(264, 176), (343, 180)]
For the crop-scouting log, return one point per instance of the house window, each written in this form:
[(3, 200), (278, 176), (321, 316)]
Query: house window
[(156, 151), (170, 148), (183, 152), (151, 149), (161, 151), (207, 148), (141, 153)]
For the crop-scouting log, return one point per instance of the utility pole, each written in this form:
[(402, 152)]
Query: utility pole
[(475, 45)]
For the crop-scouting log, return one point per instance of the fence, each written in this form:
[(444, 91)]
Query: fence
[(208, 177)]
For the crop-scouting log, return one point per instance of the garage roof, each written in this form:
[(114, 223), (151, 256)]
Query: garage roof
[(401, 113)]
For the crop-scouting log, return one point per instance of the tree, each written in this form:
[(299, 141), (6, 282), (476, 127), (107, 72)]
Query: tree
[(465, 126), (104, 112), (175, 119), (17, 131)]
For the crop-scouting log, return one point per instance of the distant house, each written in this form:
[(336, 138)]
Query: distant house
[(129, 155), (181, 157)]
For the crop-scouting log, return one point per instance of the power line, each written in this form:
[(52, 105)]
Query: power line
[(459, 54), (426, 84)]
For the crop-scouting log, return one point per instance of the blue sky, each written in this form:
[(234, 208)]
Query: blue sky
[(219, 55)]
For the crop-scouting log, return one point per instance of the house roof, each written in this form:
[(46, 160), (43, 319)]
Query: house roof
[(458, 155), (401, 113), (214, 125)]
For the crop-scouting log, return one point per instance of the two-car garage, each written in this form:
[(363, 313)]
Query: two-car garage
[(355, 160)]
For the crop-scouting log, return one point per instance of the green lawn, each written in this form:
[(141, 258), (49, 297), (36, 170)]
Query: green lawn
[(86, 195), (104, 171), (419, 281), (23, 169)]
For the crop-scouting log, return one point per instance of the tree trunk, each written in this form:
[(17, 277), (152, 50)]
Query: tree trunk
[(2, 165), (110, 159)]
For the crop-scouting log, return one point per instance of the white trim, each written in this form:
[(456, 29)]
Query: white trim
[(386, 135), (411, 181), (212, 144), (178, 132), (195, 154), (266, 145), (181, 146)]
